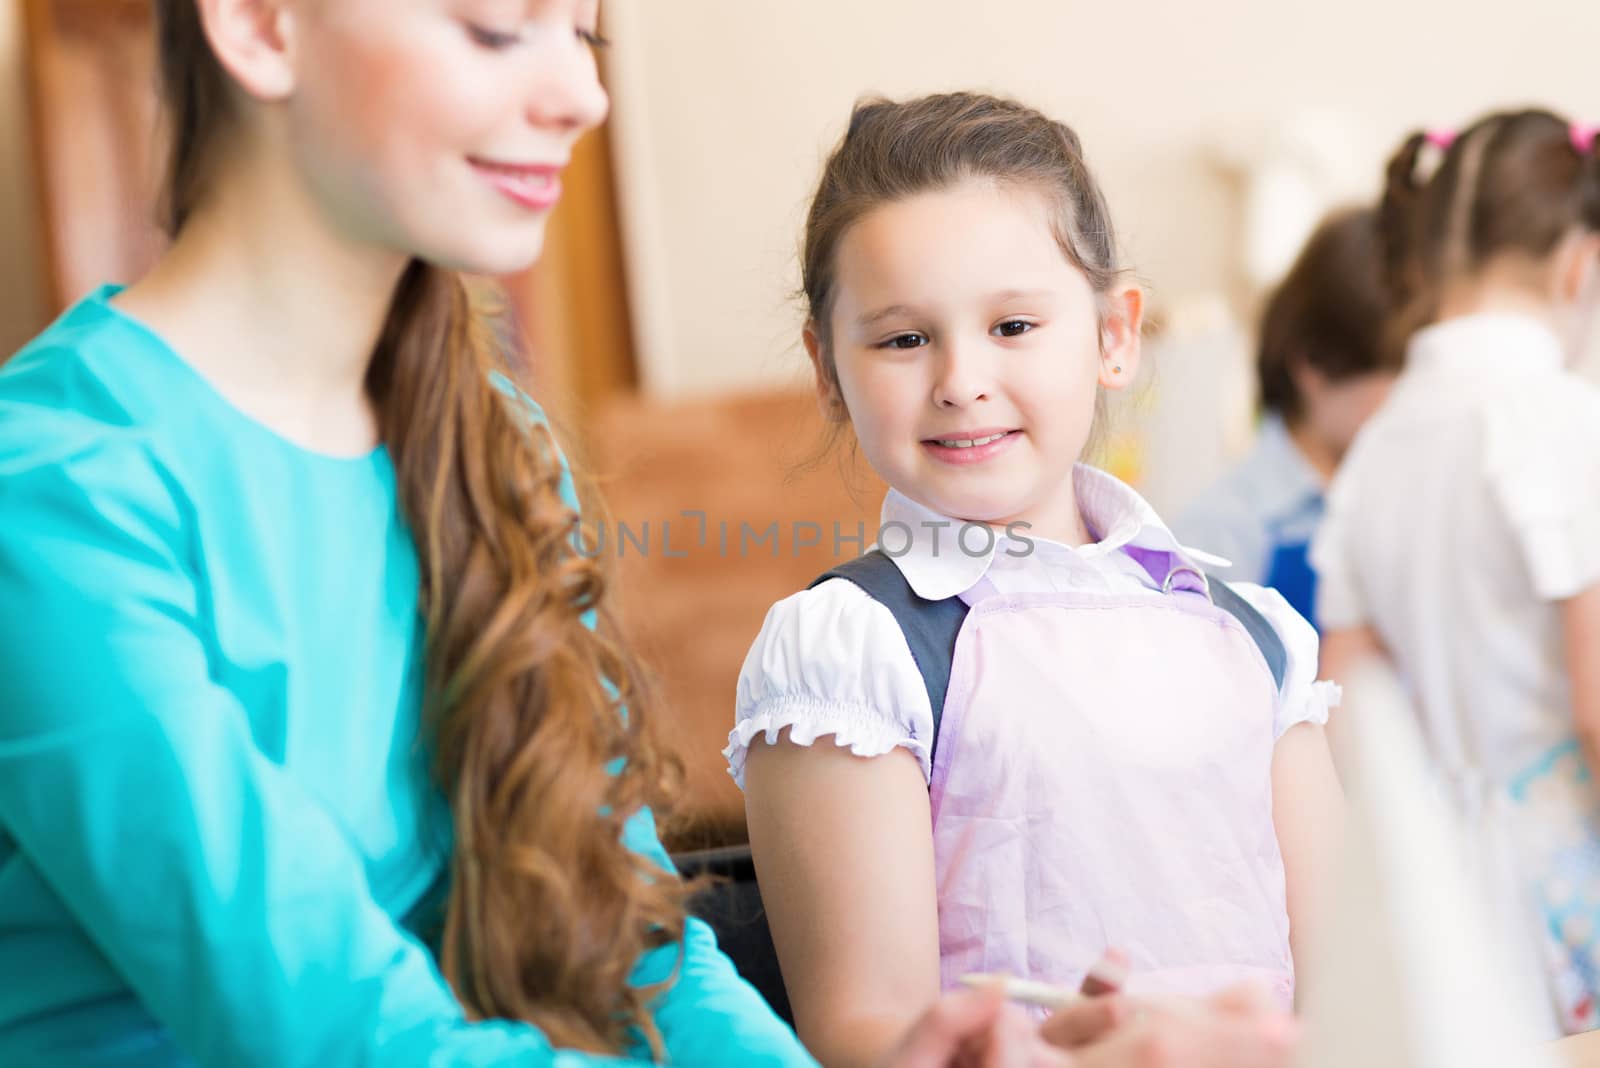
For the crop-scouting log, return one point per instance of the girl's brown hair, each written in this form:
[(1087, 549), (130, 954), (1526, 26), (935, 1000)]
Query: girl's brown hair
[(892, 151), (1327, 314), (536, 719), (1513, 182)]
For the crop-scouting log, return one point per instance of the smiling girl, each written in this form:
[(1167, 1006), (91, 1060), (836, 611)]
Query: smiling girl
[(1028, 727)]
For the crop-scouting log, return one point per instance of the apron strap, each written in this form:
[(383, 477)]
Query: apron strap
[(930, 627), (1255, 624)]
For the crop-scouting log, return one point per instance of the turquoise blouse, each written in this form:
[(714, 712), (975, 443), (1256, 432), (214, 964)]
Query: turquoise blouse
[(215, 816)]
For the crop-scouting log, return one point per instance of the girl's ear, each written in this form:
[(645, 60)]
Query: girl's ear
[(1309, 382), (254, 42), (1577, 262), (828, 398), (1120, 328)]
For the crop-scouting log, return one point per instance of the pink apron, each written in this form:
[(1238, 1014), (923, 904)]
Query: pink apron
[(1103, 778)]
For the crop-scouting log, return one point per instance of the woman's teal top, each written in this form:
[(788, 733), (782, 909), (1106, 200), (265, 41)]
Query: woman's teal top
[(216, 815)]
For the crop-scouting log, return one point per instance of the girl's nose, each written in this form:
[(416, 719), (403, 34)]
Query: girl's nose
[(962, 380)]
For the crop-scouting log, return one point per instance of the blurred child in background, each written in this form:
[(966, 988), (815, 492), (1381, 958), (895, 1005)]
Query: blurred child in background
[(1321, 372), (1028, 727), (1462, 537)]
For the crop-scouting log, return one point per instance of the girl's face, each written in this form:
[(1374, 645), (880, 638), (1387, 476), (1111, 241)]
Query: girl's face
[(439, 128), (968, 350)]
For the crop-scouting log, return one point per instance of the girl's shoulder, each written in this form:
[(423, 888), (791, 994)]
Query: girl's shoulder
[(1544, 435), (1541, 460), (1302, 697), (1576, 398), (827, 638), (830, 660)]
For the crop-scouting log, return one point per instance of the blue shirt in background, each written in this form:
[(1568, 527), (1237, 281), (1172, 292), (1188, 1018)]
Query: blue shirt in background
[(1261, 514)]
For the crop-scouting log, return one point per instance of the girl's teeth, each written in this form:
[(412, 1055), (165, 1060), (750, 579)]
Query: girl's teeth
[(967, 443)]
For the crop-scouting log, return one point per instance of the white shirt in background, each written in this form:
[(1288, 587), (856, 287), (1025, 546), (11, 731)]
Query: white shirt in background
[(1467, 507)]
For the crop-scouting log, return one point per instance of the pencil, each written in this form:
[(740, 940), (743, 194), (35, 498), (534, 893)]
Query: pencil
[(1026, 991), (1108, 976)]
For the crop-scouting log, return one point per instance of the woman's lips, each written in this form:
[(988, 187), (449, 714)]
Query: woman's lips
[(535, 186)]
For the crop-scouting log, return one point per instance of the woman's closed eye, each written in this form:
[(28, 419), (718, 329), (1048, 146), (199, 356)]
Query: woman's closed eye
[(492, 39), (502, 40)]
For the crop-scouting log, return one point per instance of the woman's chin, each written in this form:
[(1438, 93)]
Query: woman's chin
[(499, 255)]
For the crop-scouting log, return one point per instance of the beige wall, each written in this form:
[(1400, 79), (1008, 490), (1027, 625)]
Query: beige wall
[(22, 290), (725, 107)]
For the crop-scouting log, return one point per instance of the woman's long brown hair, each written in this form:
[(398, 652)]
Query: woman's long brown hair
[(537, 720)]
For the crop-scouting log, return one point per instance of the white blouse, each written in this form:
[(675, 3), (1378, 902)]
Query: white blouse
[(1469, 505), (832, 661)]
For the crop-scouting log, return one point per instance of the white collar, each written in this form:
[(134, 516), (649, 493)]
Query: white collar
[(1515, 343), (937, 566)]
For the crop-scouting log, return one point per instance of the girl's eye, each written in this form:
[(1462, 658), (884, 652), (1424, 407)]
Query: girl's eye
[(494, 40), (1013, 328), (593, 38), (905, 341)]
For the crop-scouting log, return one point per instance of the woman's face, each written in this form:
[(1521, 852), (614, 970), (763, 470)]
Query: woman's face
[(439, 128)]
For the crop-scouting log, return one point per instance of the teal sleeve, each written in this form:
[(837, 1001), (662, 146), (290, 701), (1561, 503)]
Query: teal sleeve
[(709, 1015), (226, 898)]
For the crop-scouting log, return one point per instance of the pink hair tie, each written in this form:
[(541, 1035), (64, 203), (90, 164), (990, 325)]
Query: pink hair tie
[(1441, 138), (1583, 135)]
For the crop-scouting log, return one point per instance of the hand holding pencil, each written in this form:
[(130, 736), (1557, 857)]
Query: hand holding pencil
[(1238, 1028), (1108, 976)]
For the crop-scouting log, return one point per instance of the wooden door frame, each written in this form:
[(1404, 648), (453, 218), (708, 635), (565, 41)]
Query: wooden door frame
[(573, 304), (47, 24)]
